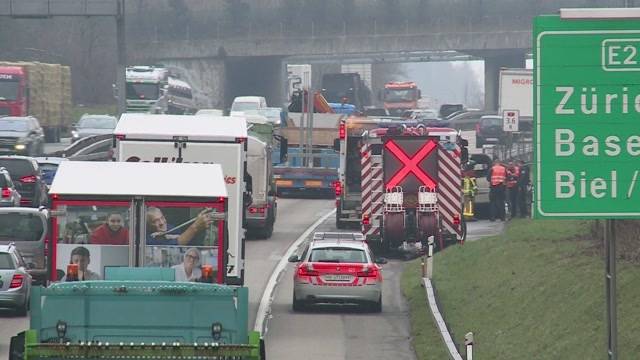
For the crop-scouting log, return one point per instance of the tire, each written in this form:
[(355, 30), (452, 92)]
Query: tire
[(22, 309), (297, 305), (16, 347), (268, 231)]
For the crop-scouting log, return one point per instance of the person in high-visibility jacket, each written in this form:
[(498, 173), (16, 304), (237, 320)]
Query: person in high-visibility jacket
[(513, 174), (469, 190), (497, 178)]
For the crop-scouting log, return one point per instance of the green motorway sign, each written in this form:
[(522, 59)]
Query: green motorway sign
[(586, 117)]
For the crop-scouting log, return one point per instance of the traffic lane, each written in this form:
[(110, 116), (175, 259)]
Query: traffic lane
[(262, 255), (341, 331), (483, 228), (10, 325)]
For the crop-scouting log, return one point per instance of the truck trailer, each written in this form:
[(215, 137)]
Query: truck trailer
[(40, 90), (195, 139)]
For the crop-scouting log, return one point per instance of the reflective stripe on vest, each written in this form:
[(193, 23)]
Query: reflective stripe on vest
[(498, 175)]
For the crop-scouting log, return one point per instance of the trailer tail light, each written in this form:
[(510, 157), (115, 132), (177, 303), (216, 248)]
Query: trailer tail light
[(337, 185), (366, 220), (256, 210), (342, 131), (241, 140), (456, 219), (29, 179), (16, 281), (6, 192)]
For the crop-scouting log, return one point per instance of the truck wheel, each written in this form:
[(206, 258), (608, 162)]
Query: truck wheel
[(394, 231), (268, 231), (16, 347)]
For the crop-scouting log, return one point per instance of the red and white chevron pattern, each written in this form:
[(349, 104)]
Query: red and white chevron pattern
[(371, 193), (449, 189)]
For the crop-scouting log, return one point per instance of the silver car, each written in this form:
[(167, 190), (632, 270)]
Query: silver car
[(337, 271), (15, 281), (9, 195), (90, 125)]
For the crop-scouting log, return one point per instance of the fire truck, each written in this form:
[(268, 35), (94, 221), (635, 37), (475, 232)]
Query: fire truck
[(400, 96), (401, 182)]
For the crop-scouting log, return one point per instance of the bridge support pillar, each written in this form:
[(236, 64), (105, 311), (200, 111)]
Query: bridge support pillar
[(492, 67)]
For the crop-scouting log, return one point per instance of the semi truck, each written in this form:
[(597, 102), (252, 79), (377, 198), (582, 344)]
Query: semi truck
[(133, 298), (195, 139), (40, 90), (145, 86), (399, 96), (400, 182), (516, 93), (346, 88)]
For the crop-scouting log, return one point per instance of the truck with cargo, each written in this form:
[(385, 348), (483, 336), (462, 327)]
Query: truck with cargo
[(40, 90), (400, 182), (261, 212), (516, 93), (136, 298), (307, 169), (195, 139)]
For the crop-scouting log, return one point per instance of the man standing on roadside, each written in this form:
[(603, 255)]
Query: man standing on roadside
[(513, 174), (497, 178)]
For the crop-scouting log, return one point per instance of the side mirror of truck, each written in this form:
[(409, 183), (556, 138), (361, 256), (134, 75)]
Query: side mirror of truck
[(336, 144)]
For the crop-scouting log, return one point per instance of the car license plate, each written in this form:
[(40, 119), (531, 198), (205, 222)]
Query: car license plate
[(338, 278)]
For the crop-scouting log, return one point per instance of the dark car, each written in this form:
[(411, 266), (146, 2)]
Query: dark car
[(91, 148), (489, 130), (93, 125), (27, 229), (21, 135), (25, 174)]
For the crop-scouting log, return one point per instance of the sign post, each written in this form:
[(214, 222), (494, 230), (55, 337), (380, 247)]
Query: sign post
[(586, 132)]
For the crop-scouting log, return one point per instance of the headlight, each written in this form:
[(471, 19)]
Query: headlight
[(74, 134), (20, 146)]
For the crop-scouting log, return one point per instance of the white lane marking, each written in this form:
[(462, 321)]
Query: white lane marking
[(264, 309)]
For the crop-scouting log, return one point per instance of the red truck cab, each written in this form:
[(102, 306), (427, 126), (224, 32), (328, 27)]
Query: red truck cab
[(13, 91)]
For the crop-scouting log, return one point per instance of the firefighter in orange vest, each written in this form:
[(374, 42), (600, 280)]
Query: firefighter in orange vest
[(513, 175), (497, 178)]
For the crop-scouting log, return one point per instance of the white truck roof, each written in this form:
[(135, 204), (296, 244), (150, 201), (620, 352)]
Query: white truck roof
[(137, 178), (195, 127)]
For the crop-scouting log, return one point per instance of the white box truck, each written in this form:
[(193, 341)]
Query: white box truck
[(516, 93), (195, 139)]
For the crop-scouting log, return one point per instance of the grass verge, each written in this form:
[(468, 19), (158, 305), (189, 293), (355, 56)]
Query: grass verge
[(536, 292)]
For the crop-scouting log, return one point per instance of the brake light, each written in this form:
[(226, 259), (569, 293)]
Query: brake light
[(342, 131), (337, 185), (369, 271), (456, 219), (365, 219), (241, 140), (6, 192), (120, 136), (17, 281), (306, 270), (29, 179), (256, 210)]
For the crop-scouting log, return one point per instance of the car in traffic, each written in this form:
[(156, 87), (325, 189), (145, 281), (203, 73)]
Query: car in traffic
[(27, 229), (428, 117), (337, 271), (15, 281), (327, 235), (489, 130), (91, 148), (26, 176), (21, 135), (90, 125), (9, 195)]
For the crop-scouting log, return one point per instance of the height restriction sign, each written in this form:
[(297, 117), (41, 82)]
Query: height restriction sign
[(587, 117)]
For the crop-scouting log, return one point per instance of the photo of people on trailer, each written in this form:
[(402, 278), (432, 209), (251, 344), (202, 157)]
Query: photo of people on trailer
[(97, 225), (187, 261), (184, 226), (91, 259)]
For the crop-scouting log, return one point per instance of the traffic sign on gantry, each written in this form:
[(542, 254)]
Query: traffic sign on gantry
[(587, 114)]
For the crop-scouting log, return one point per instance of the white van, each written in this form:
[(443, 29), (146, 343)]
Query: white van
[(246, 103)]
